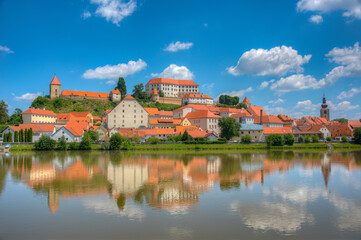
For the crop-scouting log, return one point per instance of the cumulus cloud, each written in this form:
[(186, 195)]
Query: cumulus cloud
[(265, 84), (207, 87), (115, 71), (350, 8), (307, 106), (5, 49), (175, 47), (276, 61), (349, 94), (114, 10), (316, 19), (278, 101), (86, 14), (110, 82), (27, 96), (239, 93), (295, 82), (175, 72), (344, 106)]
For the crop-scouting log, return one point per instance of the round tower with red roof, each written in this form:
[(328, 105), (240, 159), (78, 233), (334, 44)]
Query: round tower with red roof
[(55, 88)]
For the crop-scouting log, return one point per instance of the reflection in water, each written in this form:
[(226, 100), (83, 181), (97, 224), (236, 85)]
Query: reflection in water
[(125, 184)]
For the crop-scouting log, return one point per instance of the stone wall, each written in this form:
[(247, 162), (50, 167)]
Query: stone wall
[(177, 101), (74, 97)]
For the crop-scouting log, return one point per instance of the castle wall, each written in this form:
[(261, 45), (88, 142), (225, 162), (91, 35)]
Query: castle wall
[(177, 101), (74, 97), (54, 91)]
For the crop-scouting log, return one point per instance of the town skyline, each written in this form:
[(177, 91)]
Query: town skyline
[(88, 50)]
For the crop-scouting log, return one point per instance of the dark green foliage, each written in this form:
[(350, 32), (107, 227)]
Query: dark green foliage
[(121, 86), (307, 139), (246, 139), (229, 128), (105, 145), (16, 136), (329, 139), (3, 112), (116, 141), (177, 138), (73, 146), (200, 139), (135, 139), (357, 135), (222, 140), (94, 136), (228, 100), (86, 143), (61, 144), (344, 139), (274, 140), (26, 135), (30, 135), (289, 139), (21, 135), (10, 137), (315, 139), (161, 93), (127, 145), (153, 140), (341, 120), (242, 105), (15, 118), (45, 143), (186, 136), (58, 102), (39, 102), (98, 124), (139, 93), (160, 106)]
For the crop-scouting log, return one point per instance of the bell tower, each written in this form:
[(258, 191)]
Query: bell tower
[(55, 88), (324, 111)]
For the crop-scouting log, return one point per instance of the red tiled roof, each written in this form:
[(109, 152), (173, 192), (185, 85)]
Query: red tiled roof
[(128, 97), (154, 92), (172, 81), (194, 106), (76, 128), (166, 113), (196, 95), (132, 133), (256, 110), (243, 114), (202, 114), (55, 81), (39, 112), (277, 130), (85, 94), (267, 119), (116, 91), (34, 127), (230, 110), (159, 131), (80, 114), (152, 111), (160, 121), (246, 101)]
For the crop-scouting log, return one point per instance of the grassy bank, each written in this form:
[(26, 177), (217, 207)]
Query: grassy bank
[(346, 145)]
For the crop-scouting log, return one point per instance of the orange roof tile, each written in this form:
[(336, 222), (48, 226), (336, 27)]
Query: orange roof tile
[(85, 94), (166, 113), (34, 127), (246, 101), (256, 110), (159, 131), (202, 114), (230, 110), (172, 81), (154, 92), (55, 81), (39, 112), (277, 130), (243, 114), (196, 95), (128, 97), (152, 111), (132, 133), (160, 121), (76, 128), (116, 91), (194, 106)]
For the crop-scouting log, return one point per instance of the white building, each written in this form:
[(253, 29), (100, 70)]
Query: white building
[(171, 87), (196, 98), (37, 129), (71, 133), (128, 114)]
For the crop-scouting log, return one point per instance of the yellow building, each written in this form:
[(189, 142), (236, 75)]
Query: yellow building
[(33, 115)]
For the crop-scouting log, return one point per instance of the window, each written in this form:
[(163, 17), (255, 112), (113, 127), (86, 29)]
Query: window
[(114, 121), (115, 116), (135, 121), (135, 111), (135, 116)]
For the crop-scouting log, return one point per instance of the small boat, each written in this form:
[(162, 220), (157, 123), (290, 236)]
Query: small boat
[(7, 148)]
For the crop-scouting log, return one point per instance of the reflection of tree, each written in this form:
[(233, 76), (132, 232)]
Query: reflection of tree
[(230, 166), (229, 185), (3, 171), (121, 202), (275, 155), (357, 155)]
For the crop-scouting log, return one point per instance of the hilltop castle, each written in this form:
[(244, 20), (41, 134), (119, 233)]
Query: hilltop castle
[(55, 92)]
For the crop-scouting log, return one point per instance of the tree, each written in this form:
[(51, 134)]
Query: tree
[(121, 86), (289, 139), (16, 118), (30, 132), (229, 127), (300, 139), (242, 105), (3, 112), (45, 143), (26, 135), (246, 139), (329, 139), (186, 136), (357, 135), (94, 136), (138, 92), (16, 136), (344, 139), (274, 140), (341, 120), (86, 143), (315, 139), (116, 141), (39, 102), (21, 135), (62, 144), (153, 140), (161, 93), (228, 100), (307, 139)]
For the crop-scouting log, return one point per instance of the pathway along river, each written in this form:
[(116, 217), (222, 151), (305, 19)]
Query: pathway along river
[(229, 195)]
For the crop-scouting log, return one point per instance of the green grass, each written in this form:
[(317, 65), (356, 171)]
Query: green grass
[(24, 147), (346, 145)]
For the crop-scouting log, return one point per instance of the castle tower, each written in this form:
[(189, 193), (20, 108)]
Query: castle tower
[(246, 101), (55, 88), (154, 95), (324, 111), (115, 95)]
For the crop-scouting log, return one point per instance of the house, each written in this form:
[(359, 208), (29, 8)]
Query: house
[(38, 130), (74, 117), (38, 116), (268, 121), (183, 111), (102, 131), (287, 121), (164, 123), (73, 132), (160, 133), (155, 113), (206, 120), (305, 131), (197, 98), (128, 114), (256, 111), (171, 87), (227, 112), (254, 130), (131, 133), (244, 117), (276, 130)]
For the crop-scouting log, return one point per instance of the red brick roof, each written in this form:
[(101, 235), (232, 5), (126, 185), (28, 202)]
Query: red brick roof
[(194, 106), (172, 81), (246, 101), (34, 127), (277, 130), (116, 91), (196, 95), (39, 112), (256, 110), (202, 114), (128, 97), (55, 81), (154, 92), (85, 94)]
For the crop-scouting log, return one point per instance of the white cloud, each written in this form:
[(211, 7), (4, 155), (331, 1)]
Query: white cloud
[(27, 96), (265, 84), (239, 93), (175, 47), (207, 87), (86, 14), (110, 82), (114, 10), (349, 94), (175, 72), (275, 102), (350, 8), (5, 49), (344, 106), (306, 106), (115, 71), (295, 83), (276, 61), (316, 19)]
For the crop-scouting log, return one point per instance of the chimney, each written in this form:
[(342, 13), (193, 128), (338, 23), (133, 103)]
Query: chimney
[(261, 116)]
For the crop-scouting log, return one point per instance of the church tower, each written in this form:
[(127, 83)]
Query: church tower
[(55, 88), (324, 111)]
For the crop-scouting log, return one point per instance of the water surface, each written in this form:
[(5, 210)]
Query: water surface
[(196, 195)]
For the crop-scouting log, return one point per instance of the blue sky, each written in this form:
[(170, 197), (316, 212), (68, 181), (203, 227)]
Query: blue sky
[(283, 55)]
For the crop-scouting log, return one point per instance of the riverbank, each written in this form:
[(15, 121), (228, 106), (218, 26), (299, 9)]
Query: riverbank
[(228, 146)]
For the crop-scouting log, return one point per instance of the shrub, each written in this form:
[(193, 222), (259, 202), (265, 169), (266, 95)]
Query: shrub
[(315, 139), (62, 145), (127, 145), (199, 139), (289, 139), (105, 145), (73, 146), (153, 140), (86, 143), (307, 139), (274, 140), (222, 140), (116, 141), (94, 136), (45, 143), (300, 139), (135, 139), (344, 139), (186, 136), (329, 139), (357, 135), (16, 136), (246, 139)]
